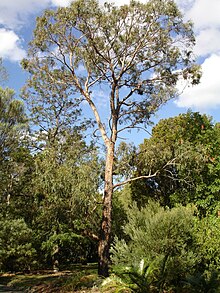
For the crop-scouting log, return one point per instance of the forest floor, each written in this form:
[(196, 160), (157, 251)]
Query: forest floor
[(81, 278)]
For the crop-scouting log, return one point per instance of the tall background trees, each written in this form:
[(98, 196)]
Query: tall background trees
[(49, 198)]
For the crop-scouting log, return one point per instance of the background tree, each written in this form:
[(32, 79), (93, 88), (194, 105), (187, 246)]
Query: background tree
[(13, 127), (16, 237), (190, 143), (52, 111), (65, 186), (16, 245), (134, 53)]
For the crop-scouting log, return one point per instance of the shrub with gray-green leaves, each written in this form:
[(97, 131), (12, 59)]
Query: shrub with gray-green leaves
[(159, 254)]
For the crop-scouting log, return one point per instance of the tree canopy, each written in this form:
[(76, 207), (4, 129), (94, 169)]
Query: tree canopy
[(135, 52), (185, 151)]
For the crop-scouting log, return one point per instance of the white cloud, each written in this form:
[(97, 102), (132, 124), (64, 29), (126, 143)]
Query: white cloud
[(10, 46), (205, 16), (63, 3), (205, 13), (207, 42), (14, 14), (206, 95), (185, 5)]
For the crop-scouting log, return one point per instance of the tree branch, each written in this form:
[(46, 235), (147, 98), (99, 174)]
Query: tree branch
[(90, 235), (171, 162), (135, 178)]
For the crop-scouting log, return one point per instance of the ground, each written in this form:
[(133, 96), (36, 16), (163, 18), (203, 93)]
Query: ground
[(78, 279)]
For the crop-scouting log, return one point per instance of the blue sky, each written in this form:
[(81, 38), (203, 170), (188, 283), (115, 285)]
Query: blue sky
[(17, 20)]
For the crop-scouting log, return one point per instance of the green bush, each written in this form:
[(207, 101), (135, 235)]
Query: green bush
[(160, 254), (16, 251), (168, 250), (207, 232)]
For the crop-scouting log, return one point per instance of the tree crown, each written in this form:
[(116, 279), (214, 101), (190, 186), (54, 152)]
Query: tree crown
[(135, 53)]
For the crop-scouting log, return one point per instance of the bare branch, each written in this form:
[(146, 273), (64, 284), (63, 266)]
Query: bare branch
[(171, 162), (136, 178), (94, 81), (101, 127)]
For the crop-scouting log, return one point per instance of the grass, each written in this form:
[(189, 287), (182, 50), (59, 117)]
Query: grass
[(80, 278)]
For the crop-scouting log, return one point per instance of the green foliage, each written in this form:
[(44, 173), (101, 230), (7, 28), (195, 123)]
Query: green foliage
[(203, 283), (65, 187), (159, 253), (168, 249), (12, 121), (55, 191), (115, 284), (207, 233), (15, 158), (16, 249), (119, 215), (67, 248), (184, 150)]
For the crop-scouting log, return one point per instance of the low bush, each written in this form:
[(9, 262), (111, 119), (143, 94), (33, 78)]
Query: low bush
[(165, 250)]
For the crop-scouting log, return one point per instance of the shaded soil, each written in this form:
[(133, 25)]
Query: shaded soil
[(6, 289), (79, 279)]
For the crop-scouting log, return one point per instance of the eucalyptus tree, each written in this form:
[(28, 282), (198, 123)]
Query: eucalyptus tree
[(134, 54)]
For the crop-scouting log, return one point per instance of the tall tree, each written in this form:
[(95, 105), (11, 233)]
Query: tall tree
[(134, 53)]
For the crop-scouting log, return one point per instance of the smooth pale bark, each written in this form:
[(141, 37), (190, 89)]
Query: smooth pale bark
[(105, 231)]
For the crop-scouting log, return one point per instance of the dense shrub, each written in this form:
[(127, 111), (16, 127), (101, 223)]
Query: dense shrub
[(16, 250), (166, 250)]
